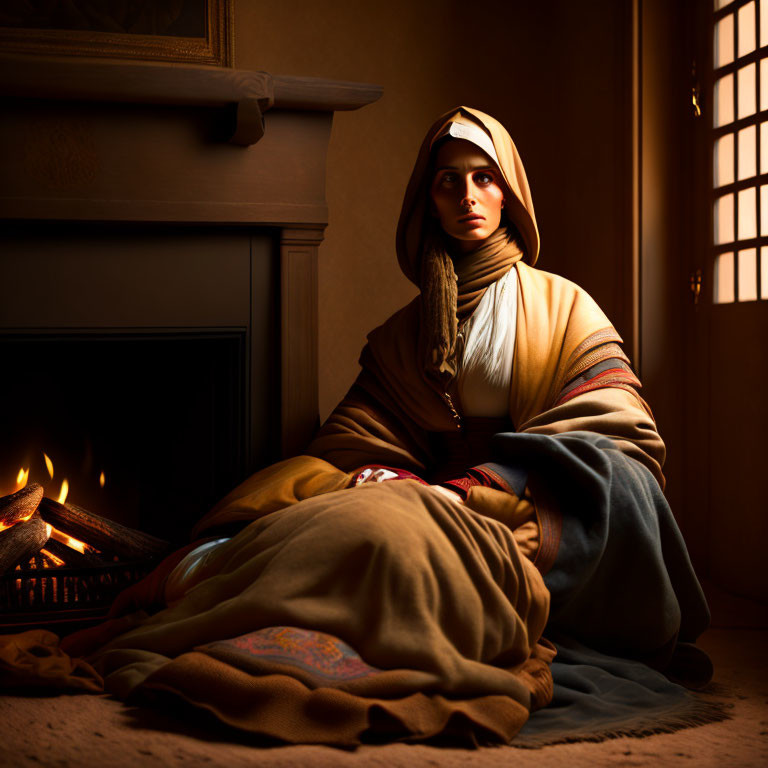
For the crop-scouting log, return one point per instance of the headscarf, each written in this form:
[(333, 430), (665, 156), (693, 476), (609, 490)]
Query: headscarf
[(452, 284), (517, 197)]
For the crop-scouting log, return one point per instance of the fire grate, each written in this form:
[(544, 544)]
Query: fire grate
[(61, 564), (35, 589)]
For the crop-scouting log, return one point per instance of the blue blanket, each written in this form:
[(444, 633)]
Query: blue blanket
[(626, 605)]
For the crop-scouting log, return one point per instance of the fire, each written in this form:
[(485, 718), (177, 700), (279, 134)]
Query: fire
[(21, 478), (64, 491), (4, 526), (57, 561), (71, 542)]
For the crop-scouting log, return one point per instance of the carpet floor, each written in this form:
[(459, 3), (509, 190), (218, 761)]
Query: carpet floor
[(91, 731)]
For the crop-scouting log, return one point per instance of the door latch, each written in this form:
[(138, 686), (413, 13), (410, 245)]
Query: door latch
[(695, 285), (695, 92)]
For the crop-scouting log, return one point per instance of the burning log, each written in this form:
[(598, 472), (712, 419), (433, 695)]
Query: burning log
[(20, 505), (21, 541), (105, 535), (72, 557)]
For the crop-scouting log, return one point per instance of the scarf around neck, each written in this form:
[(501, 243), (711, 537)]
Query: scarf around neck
[(452, 288)]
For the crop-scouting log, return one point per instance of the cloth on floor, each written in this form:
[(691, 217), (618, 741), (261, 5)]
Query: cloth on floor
[(34, 659), (597, 697)]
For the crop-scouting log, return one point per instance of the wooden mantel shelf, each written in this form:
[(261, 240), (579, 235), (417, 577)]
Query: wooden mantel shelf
[(82, 79)]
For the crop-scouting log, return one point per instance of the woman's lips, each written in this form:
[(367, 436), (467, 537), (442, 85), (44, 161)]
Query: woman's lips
[(471, 217)]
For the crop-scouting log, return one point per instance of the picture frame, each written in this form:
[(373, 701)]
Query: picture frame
[(188, 31)]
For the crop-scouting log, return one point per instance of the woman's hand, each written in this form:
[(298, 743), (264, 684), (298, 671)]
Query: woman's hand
[(375, 475)]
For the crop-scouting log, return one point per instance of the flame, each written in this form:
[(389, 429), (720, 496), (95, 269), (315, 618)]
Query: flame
[(73, 543), (102, 480), (64, 491), (48, 465), (21, 478), (57, 561), (5, 526)]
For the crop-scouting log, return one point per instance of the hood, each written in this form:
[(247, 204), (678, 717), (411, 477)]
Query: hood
[(517, 194)]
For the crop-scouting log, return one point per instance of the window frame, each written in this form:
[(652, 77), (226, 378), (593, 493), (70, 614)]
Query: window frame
[(760, 241)]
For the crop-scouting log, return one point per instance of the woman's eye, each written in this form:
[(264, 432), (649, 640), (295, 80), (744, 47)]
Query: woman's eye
[(448, 178), (484, 178)]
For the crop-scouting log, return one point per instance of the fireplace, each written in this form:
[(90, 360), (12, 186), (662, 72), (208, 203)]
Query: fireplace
[(147, 353), (159, 227)]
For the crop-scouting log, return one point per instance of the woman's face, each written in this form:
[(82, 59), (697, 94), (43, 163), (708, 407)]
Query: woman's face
[(466, 193)]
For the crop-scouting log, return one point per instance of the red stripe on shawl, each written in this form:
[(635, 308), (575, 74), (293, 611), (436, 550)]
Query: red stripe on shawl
[(613, 377)]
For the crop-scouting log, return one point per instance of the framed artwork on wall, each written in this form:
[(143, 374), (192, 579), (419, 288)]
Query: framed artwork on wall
[(191, 31)]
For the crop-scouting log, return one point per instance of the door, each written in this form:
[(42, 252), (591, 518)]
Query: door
[(726, 327)]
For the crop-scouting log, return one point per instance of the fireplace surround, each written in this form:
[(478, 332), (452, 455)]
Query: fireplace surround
[(159, 228)]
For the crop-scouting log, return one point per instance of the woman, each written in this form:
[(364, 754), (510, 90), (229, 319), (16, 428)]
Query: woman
[(526, 341), (492, 472)]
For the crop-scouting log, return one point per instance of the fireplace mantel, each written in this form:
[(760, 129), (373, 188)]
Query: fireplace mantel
[(252, 93), (145, 144), (89, 139)]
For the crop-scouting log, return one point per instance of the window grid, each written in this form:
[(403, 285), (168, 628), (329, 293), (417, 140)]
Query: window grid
[(741, 244)]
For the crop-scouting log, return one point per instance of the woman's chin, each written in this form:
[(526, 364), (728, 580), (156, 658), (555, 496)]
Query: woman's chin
[(469, 241)]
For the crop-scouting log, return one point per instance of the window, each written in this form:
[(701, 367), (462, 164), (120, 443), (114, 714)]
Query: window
[(740, 155)]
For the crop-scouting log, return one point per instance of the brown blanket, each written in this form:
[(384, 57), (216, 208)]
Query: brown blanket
[(381, 610)]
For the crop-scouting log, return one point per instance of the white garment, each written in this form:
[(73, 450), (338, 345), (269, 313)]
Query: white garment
[(485, 367), (179, 578)]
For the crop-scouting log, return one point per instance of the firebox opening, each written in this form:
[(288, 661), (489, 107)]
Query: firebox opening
[(162, 416)]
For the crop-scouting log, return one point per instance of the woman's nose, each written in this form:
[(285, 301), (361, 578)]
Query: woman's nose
[(468, 193)]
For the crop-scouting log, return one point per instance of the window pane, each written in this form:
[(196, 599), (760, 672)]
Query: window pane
[(764, 210), (747, 214), (747, 152), (724, 41), (746, 29), (724, 100), (721, 4), (764, 149), (723, 278), (763, 23), (764, 272), (724, 159), (763, 83), (724, 219), (748, 275), (746, 105)]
